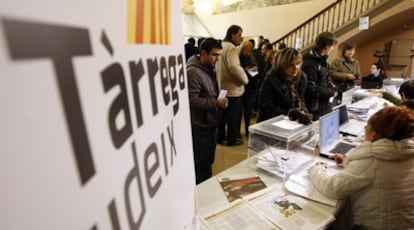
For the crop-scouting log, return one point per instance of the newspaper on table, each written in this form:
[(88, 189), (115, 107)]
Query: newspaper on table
[(235, 187), (300, 184), (288, 211), (236, 215)]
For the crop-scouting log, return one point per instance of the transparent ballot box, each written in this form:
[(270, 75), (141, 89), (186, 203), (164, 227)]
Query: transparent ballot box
[(280, 146)]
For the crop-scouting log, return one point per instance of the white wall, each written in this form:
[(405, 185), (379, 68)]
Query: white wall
[(271, 22)]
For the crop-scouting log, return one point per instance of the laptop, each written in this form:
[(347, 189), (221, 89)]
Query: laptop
[(329, 138), (371, 83), (349, 127)]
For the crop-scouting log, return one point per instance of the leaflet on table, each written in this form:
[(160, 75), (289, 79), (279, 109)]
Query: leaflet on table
[(281, 162), (237, 215), (288, 211), (300, 184), (236, 187)]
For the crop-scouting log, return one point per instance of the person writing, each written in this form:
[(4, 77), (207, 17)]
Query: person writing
[(406, 92), (204, 106), (283, 89), (378, 176)]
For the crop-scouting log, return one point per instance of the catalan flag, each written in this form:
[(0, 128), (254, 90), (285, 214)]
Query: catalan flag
[(149, 21)]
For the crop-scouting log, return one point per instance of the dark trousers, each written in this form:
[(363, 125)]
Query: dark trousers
[(204, 148), (249, 99), (231, 117)]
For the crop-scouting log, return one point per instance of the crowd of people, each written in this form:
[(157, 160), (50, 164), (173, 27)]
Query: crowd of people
[(378, 176)]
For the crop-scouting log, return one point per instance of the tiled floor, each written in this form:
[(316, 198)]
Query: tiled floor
[(227, 156)]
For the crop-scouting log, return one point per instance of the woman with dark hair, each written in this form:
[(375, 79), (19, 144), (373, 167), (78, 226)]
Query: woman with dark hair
[(377, 73), (378, 176), (282, 91), (232, 78), (344, 71), (315, 64)]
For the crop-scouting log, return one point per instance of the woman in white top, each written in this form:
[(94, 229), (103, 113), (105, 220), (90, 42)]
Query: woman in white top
[(378, 176)]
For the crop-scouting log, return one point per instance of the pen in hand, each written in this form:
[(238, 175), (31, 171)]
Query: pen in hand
[(338, 158)]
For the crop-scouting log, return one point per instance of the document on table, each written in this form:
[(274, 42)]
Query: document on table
[(237, 215), (300, 184), (288, 211), (236, 187)]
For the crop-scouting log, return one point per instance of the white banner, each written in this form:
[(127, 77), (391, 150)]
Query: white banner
[(95, 126)]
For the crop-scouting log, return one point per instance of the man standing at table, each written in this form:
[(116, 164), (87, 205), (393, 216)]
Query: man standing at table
[(204, 106), (232, 78)]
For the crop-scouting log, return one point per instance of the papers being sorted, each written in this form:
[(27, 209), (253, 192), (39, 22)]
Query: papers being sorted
[(280, 162), (287, 124), (237, 215), (288, 211), (300, 184), (238, 186)]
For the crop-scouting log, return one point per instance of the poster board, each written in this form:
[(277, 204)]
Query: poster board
[(94, 119)]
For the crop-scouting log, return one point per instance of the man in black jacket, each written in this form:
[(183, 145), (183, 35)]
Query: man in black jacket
[(315, 64)]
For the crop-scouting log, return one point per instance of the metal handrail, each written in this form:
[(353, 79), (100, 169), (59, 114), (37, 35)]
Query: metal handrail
[(333, 18)]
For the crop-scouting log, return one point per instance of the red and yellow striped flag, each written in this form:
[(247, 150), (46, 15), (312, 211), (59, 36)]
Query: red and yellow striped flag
[(149, 21)]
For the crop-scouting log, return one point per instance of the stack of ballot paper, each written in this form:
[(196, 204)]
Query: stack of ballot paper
[(281, 162)]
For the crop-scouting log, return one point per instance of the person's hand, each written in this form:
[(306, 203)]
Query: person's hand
[(338, 158), (305, 118), (222, 103), (324, 164), (350, 77), (294, 114), (300, 115)]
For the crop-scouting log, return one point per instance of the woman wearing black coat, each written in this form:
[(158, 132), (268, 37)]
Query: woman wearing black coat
[(282, 90)]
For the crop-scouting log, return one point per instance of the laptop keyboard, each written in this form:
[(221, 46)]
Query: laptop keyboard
[(342, 147)]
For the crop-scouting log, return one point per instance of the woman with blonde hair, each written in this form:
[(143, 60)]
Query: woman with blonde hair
[(283, 88), (378, 176)]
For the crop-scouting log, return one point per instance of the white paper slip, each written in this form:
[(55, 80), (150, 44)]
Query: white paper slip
[(222, 94), (287, 124)]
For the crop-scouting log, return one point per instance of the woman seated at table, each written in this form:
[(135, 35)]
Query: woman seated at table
[(377, 74), (378, 176), (283, 88)]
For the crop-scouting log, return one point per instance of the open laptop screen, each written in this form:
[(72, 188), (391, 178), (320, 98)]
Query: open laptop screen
[(329, 128)]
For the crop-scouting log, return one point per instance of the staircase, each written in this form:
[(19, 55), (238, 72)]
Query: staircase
[(340, 17)]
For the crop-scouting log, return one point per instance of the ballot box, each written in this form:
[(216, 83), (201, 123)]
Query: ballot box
[(279, 145)]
